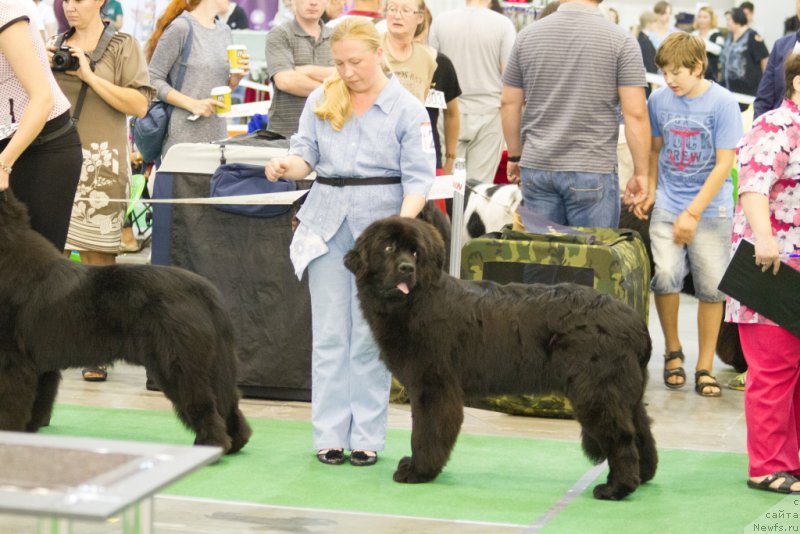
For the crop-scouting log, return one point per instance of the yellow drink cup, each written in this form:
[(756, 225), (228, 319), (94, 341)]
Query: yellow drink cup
[(223, 96), (234, 53)]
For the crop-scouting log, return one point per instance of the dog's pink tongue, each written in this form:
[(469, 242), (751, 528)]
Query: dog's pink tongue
[(403, 287)]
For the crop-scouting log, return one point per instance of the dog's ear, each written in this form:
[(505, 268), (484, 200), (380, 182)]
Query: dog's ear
[(431, 251), (355, 260)]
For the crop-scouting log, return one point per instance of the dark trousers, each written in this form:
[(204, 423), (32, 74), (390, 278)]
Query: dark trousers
[(45, 178)]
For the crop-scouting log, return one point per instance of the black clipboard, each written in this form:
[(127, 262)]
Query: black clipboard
[(776, 297)]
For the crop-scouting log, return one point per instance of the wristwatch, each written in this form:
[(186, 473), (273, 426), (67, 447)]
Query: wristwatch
[(514, 159)]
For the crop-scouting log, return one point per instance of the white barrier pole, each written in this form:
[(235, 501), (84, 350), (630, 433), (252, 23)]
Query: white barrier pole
[(457, 222)]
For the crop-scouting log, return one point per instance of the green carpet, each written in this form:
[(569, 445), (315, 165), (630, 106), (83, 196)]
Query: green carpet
[(494, 479)]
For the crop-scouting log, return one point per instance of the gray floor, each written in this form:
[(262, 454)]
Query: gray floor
[(682, 420)]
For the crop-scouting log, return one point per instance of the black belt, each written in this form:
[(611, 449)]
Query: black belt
[(342, 182)]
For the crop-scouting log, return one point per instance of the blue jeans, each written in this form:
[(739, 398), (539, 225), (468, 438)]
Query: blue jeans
[(349, 383), (572, 198), (706, 257)]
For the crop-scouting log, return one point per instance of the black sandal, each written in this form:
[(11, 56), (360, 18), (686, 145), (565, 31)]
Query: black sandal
[(360, 458), (678, 371), (700, 387), (789, 480), (331, 456)]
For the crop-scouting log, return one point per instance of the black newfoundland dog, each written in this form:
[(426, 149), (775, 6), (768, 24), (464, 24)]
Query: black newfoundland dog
[(446, 339), (55, 313)]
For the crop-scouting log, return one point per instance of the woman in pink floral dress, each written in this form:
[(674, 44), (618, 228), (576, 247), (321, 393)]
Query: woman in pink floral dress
[(768, 214)]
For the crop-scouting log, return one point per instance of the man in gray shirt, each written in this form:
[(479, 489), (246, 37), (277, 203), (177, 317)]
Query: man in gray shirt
[(478, 41), (298, 60), (571, 71)]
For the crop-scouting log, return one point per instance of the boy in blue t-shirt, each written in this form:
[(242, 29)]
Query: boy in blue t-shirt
[(696, 126)]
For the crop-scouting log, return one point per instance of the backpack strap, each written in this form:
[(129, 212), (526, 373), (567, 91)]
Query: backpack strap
[(187, 48)]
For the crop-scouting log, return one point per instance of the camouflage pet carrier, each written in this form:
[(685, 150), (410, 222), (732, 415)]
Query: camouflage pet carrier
[(614, 262)]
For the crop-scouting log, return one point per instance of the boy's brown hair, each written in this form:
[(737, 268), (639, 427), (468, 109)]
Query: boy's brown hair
[(791, 69), (682, 49)]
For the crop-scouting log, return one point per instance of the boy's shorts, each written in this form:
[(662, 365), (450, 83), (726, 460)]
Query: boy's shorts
[(706, 257)]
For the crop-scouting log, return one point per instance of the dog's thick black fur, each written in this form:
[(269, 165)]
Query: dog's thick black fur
[(55, 313), (446, 339)]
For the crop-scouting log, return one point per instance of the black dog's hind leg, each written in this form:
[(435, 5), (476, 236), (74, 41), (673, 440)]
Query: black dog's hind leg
[(646, 444), (222, 376), (195, 405), (612, 427), (46, 391), (17, 393), (238, 429), (436, 417)]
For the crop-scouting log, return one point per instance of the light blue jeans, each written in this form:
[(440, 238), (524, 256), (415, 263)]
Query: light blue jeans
[(706, 257), (572, 198), (349, 383)]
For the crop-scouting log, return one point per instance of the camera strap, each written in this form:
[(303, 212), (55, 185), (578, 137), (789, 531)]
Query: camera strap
[(94, 58)]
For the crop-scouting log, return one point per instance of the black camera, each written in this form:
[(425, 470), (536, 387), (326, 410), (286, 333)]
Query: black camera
[(63, 60)]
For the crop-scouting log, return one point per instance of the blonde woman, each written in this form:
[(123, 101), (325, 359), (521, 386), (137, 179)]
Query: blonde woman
[(705, 27), (663, 25), (413, 63), (369, 140)]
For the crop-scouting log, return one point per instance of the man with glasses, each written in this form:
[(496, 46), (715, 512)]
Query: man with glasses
[(478, 41)]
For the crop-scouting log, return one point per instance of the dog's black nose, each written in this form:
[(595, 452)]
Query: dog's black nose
[(406, 268)]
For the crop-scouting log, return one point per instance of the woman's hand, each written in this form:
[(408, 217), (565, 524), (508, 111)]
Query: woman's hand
[(3, 179), (684, 229), (767, 254), (275, 168), (205, 107), (244, 64), (84, 71), (447, 168)]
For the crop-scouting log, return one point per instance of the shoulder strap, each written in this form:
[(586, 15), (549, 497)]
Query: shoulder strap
[(187, 48), (99, 50)]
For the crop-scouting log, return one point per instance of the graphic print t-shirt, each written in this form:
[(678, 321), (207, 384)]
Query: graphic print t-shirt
[(692, 131)]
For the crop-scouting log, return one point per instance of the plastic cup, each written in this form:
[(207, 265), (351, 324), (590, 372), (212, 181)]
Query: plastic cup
[(223, 96), (235, 52)]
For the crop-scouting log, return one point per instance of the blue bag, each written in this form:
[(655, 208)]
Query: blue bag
[(234, 179), (150, 131)]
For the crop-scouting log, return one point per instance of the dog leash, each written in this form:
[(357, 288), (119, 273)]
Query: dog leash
[(284, 197)]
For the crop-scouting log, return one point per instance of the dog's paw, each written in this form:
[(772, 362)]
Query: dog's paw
[(406, 474), (403, 470), (609, 492), (222, 442)]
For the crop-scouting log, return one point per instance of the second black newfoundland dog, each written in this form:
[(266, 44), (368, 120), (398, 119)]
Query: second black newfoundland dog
[(55, 313), (446, 339)]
